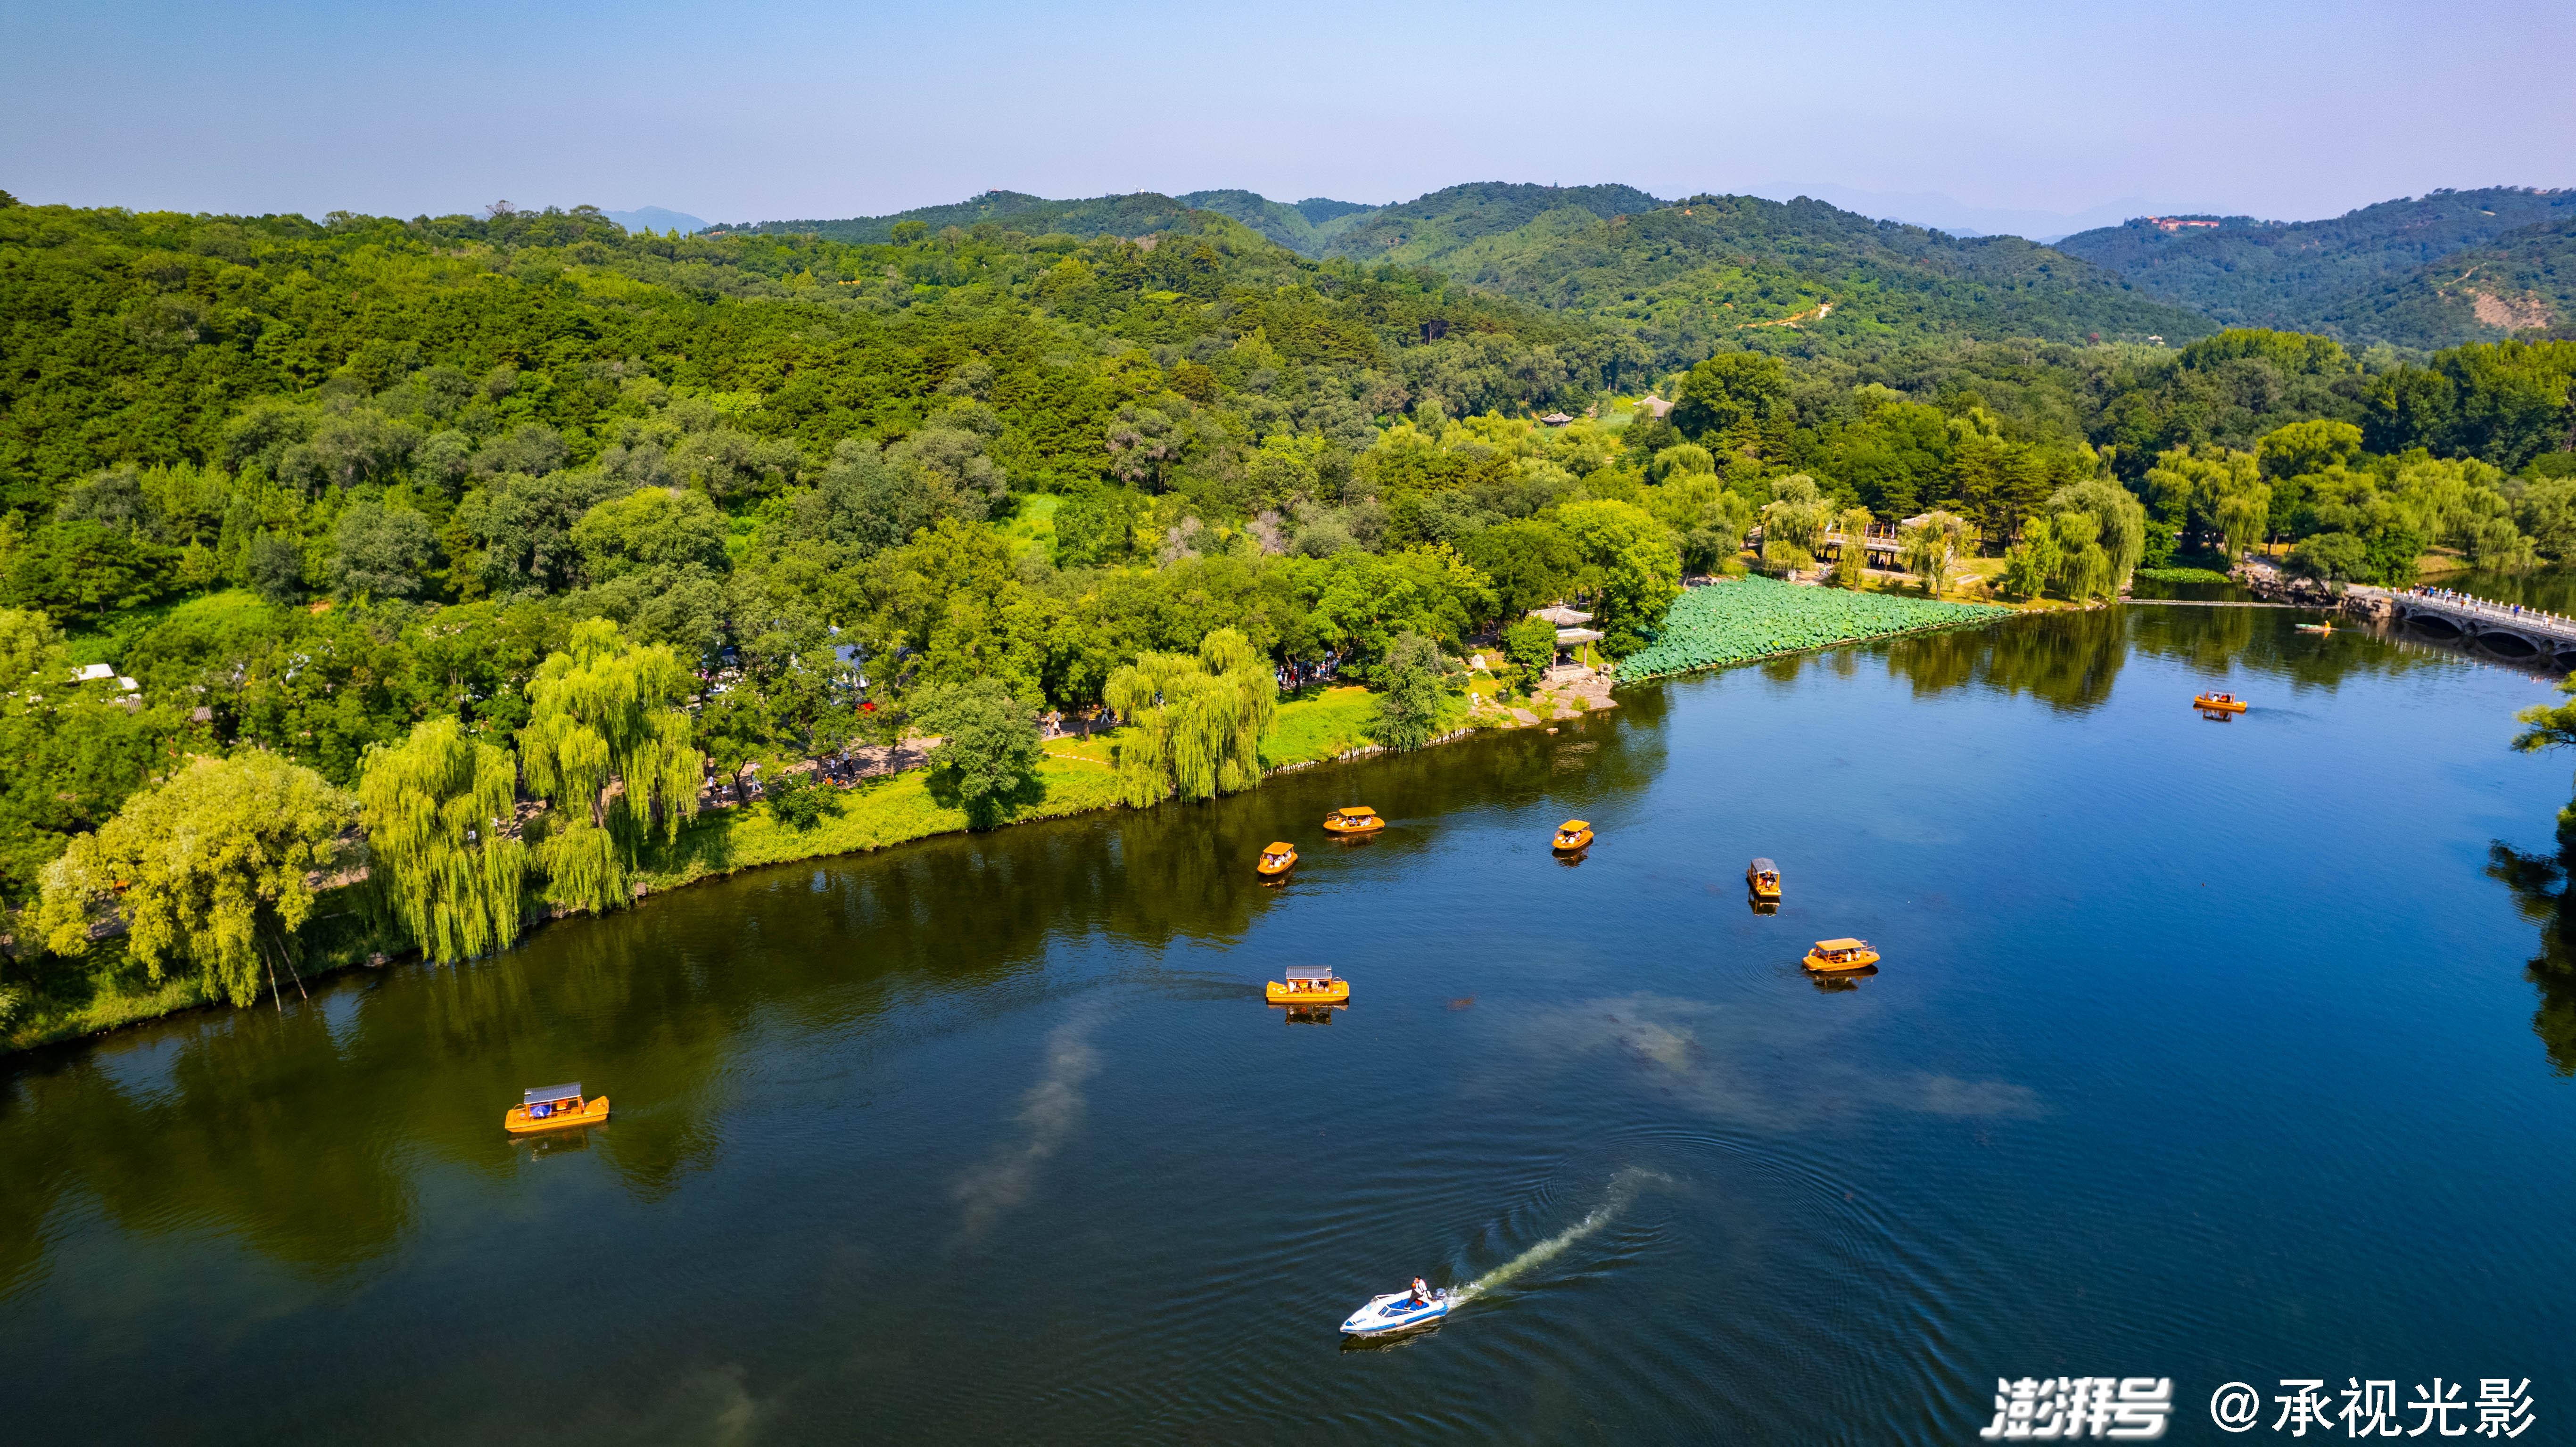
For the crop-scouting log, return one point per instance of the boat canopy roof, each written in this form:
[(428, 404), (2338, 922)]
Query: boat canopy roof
[(1282, 847), (1765, 866), (1836, 947), (553, 1092), (1310, 973), (1570, 825), (1356, 811)]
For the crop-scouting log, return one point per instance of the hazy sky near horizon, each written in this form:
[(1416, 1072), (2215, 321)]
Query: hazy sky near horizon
[(779, 109)]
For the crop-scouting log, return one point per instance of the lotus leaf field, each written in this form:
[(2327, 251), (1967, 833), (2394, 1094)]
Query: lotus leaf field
[(1748, 618)]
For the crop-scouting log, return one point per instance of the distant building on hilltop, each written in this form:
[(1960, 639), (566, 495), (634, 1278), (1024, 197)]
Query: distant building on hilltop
[(1654, 406)]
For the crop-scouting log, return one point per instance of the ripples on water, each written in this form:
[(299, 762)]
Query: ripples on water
[(2201, 1050)]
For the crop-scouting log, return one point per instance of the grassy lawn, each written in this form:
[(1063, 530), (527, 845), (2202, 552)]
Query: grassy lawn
[(1032, 528), (1325, 725), (875, 814), (1098, 749)]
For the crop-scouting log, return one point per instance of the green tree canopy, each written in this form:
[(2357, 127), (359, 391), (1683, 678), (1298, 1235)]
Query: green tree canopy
[(1198, 719), (1630, 564), (1412, 693), (439, 810), (1531, 642), (209, 869), (608, 746), (1532, 562), (1734, 399), (2119, 519), (382, 552), (988, 750), (656, 532)]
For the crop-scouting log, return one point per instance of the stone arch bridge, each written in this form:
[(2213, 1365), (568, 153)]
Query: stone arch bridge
[(2525, 635)]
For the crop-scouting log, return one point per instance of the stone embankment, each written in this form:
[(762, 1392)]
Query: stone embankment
[(2272, 585)]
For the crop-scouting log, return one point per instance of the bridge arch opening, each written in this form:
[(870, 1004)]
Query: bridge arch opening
[(2507, 645)]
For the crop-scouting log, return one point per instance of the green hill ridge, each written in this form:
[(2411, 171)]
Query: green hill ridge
[(2349, 276)]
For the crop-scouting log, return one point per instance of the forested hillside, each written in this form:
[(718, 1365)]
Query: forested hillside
[(1306, 227), (2522, 281), (1427, 229), (1139, 214), (2320, 275), (420, 509), (1719, 271)]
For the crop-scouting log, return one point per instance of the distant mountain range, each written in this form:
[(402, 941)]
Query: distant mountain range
[(657, 218), (1687, 276)]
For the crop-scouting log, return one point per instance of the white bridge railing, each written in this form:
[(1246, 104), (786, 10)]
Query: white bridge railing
[(2478, 613)]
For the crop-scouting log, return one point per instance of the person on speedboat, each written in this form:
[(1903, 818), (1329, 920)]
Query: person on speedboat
[(1421, 1292)]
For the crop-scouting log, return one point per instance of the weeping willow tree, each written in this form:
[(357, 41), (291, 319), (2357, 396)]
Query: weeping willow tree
[(608, 746), (2120, 523), (1931, 548), (2243, 516), (1198, 720), (438, 809), (210, 869), (1793, 524), (1854, 555), (2083, 564), (2031, 564)]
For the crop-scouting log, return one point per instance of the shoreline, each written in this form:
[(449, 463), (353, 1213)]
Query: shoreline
[(881, 813)]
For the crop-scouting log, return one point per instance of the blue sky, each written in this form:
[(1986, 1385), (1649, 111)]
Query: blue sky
[(776, 110)]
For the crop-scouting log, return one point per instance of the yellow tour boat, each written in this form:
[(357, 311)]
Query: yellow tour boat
[(1571, 835), (1276, 860), (1357, 819), (1763, 878), (1831, 957), (1309, 985), (2219, 702), (552, 1108)]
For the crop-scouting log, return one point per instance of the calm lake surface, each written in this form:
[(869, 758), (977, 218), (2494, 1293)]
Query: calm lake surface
[(2202, 1050)]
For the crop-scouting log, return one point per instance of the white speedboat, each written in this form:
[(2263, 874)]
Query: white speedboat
[(1396, 1311)]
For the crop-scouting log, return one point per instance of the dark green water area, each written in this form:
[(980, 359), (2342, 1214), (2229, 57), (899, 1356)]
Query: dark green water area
[(2211, 1051)]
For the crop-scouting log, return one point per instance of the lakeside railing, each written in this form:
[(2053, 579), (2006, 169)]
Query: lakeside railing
[(2554, 626)]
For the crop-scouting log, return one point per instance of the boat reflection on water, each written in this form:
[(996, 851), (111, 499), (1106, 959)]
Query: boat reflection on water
[(1312, 1014), (1571, 857), (1841, 981), (1761, 905), (557, 1143)]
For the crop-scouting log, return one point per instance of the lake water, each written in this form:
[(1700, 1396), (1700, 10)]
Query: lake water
[(2209, 1051)]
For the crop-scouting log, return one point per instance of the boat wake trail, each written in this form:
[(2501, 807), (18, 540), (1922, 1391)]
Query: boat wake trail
[(1623, 1189)]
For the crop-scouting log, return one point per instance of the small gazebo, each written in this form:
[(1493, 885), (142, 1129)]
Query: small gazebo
[(1570, 632)]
